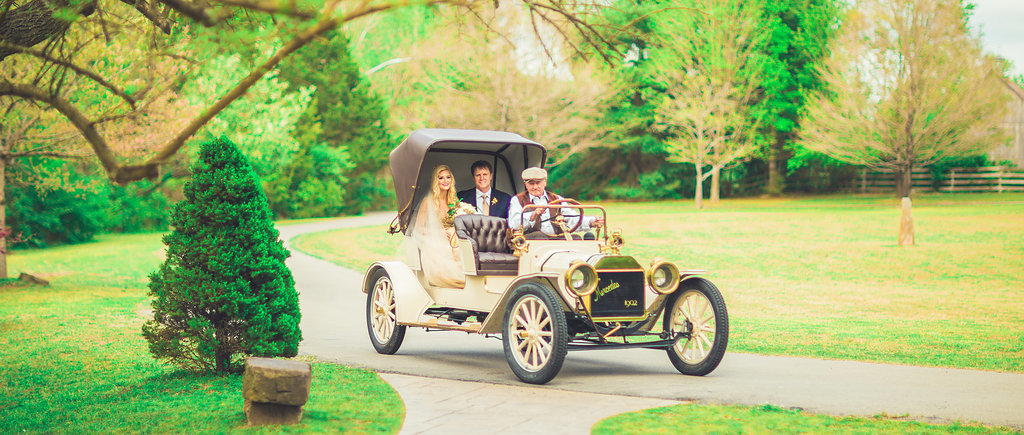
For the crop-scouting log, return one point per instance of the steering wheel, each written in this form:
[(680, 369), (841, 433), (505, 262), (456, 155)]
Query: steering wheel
[(570, 201)]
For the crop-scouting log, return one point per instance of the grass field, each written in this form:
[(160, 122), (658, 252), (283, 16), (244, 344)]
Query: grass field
[(72, 359), (823, 277), (768, 419)]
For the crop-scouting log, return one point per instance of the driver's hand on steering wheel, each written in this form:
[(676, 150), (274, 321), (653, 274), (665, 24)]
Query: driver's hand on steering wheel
[(598, 223)]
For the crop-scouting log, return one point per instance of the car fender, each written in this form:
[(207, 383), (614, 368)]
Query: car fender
[(492, 324), (411, 299)]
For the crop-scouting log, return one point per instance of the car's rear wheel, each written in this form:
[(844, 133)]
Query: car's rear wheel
[(697, 311), (535, 335), (386, 334)]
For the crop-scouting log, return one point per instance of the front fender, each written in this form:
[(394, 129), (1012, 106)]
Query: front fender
[(411, 299)]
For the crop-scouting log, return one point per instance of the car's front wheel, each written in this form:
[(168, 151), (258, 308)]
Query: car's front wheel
[(697, 312), (535, 335), (386, 334)]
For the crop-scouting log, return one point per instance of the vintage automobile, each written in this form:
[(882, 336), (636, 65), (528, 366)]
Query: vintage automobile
[(544, 297)]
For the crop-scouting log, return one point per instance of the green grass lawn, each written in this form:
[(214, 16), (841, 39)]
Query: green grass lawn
[(823, 277), (767, 419), (72, 359)]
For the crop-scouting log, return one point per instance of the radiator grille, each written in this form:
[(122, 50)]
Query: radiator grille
[(618, 294)]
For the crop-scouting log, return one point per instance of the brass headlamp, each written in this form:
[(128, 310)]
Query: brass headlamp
[(664, 277), (581, 278)]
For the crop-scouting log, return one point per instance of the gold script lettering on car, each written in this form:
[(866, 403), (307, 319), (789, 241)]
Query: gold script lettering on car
[(607, 289)]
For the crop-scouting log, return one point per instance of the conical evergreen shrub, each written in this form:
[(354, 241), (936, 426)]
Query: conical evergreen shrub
[(223, 291)]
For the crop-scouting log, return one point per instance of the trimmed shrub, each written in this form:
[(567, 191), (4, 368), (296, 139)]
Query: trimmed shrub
[(224, 291)]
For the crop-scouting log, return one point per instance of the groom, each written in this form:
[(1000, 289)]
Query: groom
[(488, 201)]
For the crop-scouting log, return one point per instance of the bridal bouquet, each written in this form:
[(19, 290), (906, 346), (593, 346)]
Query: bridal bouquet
[(457, 209)]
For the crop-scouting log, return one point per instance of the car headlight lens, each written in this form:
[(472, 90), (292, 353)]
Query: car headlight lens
[(578, 279), (664, 277), (581, 278), (659, 277)]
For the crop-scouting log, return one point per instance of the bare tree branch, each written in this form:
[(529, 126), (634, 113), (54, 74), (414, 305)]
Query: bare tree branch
[(192, 10), (107, 158), (287, 7), (151, 11), (80, 70)]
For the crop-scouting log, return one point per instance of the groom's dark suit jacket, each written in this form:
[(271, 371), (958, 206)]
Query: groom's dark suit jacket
[(498, 209)]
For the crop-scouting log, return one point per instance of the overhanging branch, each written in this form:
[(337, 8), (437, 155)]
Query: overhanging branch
[(115, 170), (67, 64)]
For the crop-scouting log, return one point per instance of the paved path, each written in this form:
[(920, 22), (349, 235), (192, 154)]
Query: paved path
[(450, 379)]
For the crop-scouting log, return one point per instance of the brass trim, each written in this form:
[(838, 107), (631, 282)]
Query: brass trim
[(590, 288), (620, 319), (674, 279)]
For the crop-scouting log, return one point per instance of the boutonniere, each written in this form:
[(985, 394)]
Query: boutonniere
[(494, 201)]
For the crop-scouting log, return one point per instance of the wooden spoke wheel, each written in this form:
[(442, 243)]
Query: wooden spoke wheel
[(535, 335), (697, 311), (382, 315)]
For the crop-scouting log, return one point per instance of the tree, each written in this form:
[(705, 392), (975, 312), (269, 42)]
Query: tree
[(799, 33), (351, 123), (24, 27), (483, 80), (908, 85), (708, 62), (224, 290), (32, 135)]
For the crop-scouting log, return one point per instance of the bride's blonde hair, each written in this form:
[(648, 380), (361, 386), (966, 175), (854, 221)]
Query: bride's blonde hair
[(435, 189)]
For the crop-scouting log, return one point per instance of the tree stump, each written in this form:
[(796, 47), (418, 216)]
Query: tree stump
[(275, 390), (906, 225)]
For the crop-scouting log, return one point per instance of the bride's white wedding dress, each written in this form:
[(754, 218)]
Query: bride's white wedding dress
[(438, 247)]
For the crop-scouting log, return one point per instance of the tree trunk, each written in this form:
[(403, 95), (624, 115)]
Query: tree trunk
[(776, 179), (906, 237), (34, 22), (715, 172), (698, 196), (220, 354), (903, 182), (3, 218)]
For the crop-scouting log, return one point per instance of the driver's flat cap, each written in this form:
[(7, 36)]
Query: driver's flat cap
[(535, 174)]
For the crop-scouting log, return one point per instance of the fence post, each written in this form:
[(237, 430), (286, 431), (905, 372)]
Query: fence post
[(863, 180), (952, 179), (999, 185)]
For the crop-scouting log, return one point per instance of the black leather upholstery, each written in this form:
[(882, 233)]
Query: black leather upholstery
[(487, 236)]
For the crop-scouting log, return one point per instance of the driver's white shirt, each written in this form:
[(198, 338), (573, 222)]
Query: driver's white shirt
[(516, 215)]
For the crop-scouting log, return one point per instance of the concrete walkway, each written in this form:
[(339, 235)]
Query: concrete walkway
[(454, 381)]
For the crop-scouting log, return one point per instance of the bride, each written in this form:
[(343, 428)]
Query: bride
[(434, 231)]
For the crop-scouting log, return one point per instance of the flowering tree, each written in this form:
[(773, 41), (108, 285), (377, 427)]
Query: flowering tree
[(25, 27), (480, 76), (135, 122), (708, 63), (907, 86)]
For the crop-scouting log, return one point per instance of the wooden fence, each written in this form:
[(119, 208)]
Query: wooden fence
[(871, 180), (982, 179)]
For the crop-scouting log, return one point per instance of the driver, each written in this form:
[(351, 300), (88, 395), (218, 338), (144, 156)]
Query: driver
[(538, 223)]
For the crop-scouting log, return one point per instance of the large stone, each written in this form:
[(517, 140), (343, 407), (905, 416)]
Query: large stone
[(276, 381), (262, 414)]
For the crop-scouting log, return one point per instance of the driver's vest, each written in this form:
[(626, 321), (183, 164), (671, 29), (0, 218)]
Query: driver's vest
[(524, 200)]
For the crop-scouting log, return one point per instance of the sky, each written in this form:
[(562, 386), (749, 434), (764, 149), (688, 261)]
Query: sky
[(1001, 23)]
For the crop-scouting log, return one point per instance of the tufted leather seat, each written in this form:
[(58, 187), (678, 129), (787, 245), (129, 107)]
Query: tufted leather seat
[(487, 236)]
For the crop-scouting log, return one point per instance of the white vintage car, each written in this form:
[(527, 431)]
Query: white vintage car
[(545, 297)]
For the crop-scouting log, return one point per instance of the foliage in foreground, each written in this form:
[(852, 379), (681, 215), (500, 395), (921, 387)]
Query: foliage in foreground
[(765, 419), (72, 360), (224, 291), (822, 277)]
